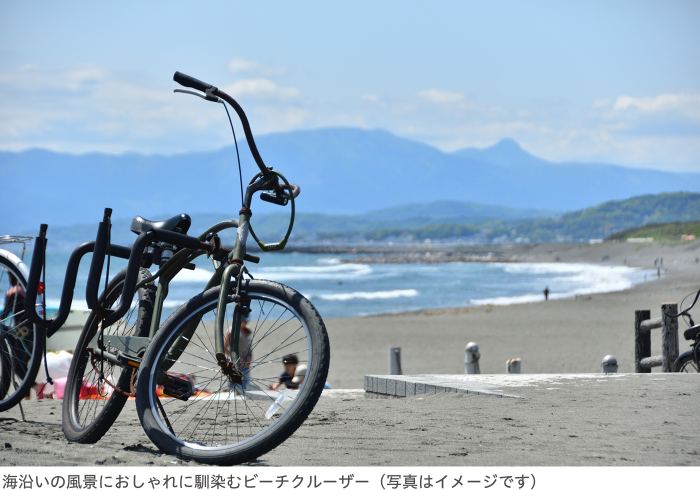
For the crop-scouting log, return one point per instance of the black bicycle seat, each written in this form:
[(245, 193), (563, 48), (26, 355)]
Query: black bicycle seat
[(179, 224), (692, 332)]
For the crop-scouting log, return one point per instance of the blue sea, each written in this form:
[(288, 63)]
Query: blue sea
[(339, 288)]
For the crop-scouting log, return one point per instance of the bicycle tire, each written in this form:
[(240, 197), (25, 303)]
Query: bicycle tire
[(686, 363), (198, 427), (23, 345), (5, 372), (87, 419)]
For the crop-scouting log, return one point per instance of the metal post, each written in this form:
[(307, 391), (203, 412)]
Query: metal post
[(609, 365), (395, 360), (642, 341), (471, 358), (669, 336), (513, 366)]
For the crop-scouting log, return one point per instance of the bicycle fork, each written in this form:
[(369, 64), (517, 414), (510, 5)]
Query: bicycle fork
[(232, 368)]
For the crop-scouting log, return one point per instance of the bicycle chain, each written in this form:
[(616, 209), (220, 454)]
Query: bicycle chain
[(116, 388)]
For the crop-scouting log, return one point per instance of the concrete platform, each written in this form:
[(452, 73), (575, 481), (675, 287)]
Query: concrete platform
[(425, 384), (498, 385)]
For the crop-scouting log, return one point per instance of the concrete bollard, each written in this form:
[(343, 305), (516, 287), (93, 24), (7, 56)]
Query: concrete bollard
[(395, 360), (513, 366), (609, 365), (471, 358)]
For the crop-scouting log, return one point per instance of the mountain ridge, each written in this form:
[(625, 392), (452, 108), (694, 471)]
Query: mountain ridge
[(346, 171)]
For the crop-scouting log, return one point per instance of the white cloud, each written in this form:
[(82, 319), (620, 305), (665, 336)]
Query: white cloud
[(686, 104), (440, 96), (87, 108), (255, 68), (261, 88)]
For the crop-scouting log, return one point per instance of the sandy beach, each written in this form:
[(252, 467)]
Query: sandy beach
[(559, 336)]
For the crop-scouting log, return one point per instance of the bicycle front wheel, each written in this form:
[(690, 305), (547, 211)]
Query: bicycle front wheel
[(686, 363), (22, 341), (189, 408), (97, 388)]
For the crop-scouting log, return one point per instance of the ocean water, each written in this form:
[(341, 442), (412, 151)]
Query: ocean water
[(338, 288)]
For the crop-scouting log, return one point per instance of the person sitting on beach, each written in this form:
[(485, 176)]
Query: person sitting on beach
[(299, 374), (290, 362)]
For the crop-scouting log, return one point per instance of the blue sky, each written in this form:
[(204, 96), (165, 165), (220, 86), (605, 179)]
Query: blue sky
[(611, 81)]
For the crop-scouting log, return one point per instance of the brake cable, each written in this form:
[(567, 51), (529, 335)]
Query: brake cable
[(240, 174), (685, 312)]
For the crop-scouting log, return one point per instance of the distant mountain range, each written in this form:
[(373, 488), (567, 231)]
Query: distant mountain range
[(342, 171), (442, 221)]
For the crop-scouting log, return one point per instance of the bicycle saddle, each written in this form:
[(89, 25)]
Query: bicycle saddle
[(691, 333), (179, 224)]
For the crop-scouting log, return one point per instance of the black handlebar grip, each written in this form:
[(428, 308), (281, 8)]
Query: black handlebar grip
[(188, 81)]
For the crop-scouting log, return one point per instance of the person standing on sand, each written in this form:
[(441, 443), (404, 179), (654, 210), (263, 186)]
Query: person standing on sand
[(546, 293), (245, 350)]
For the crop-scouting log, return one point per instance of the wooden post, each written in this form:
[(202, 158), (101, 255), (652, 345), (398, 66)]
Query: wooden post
[(669, 334), (395, 360), (471, 358), (642, 340), (513, 366)]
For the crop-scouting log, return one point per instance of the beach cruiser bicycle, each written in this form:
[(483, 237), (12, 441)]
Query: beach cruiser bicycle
[(17, 340), (689, 361), (189, 374)]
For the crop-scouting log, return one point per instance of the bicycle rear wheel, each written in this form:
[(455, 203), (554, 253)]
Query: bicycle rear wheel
[(92, 402), (189, 408), (686, 363), (22, 342)]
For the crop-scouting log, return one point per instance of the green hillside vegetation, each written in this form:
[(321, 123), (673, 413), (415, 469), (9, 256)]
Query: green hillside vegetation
[(613, 216), (660, 231), (444, 221), (594, 222)]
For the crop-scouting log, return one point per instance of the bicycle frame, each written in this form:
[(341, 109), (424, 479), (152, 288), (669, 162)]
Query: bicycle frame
[(190, 248), (130, 345)]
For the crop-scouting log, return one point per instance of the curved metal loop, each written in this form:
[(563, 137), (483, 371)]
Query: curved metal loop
[(272, 247)]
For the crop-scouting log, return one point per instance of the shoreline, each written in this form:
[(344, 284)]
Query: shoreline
[(568, 335)]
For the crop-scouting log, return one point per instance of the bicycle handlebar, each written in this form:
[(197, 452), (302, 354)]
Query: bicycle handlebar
[(295, 189), (269, 176), (188, 81)]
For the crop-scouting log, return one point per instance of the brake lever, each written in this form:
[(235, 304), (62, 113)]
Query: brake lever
[(209, 96)]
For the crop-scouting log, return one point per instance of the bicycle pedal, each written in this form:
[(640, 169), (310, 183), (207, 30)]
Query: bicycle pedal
[(127, 360), (178, 388)]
